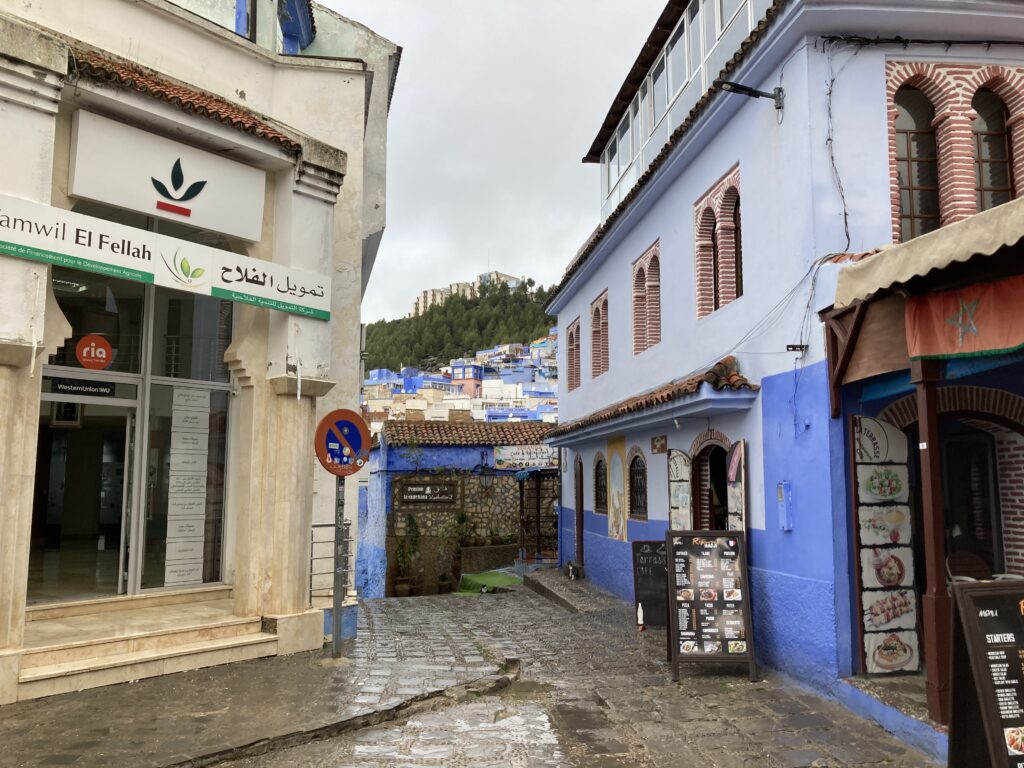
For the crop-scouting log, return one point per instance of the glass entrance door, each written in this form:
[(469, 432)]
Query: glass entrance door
[(82, 500)]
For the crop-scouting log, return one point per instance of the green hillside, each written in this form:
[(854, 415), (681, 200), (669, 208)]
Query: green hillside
[(459, 327)]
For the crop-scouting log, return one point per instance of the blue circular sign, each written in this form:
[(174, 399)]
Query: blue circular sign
[(342, 442)]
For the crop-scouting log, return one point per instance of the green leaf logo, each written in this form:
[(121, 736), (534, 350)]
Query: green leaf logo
[(185, 269), (198, 272), (177, 182)]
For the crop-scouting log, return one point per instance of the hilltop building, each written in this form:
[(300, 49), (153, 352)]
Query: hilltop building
[(192, 202), (863, 452), (434, 296), (507, 383)]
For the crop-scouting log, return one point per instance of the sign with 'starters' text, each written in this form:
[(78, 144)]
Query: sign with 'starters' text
[(67, 239)]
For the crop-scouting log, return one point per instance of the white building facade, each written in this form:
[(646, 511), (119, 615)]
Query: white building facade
[(190, 212)]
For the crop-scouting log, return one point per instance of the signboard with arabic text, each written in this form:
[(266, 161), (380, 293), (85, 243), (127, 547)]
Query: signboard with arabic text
[(67, 239), (516, 457)]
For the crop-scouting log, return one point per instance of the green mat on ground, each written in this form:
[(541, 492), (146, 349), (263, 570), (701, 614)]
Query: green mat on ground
[(476, 582)]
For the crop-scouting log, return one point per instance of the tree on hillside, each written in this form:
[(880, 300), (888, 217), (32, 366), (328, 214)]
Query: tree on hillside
[(459, 327)]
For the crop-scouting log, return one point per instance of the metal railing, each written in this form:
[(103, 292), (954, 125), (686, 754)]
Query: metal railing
[(321, 559)]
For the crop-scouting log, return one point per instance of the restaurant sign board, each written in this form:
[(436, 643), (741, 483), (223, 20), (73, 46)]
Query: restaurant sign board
[(987, 686), (516, 457), (429, 493), (709, 595), (67, 239)]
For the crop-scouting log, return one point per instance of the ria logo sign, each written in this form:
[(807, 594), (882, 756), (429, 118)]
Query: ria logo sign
[(177, 181)]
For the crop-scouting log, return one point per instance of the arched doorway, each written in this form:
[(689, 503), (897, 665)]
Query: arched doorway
[(710, 481)]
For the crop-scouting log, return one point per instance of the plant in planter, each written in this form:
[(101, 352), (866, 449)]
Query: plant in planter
[(405, 556), (462, 530), (444, 565)]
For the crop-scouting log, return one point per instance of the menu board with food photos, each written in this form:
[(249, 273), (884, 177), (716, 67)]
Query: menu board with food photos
[(885, 555), (709, 597), (987, 686)]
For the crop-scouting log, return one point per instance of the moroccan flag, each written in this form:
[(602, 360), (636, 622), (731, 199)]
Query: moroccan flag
[(981, 319)]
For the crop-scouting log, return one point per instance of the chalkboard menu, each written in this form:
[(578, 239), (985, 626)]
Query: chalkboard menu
[(710, 613), (650, 586), (987, 686)]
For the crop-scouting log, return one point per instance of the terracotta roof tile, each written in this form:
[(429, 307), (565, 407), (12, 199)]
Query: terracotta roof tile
[(463, 433), (723, 375), (96, 67), (850, 258), (581, 257)]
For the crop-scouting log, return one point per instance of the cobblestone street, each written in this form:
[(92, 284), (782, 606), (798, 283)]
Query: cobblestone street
[(592, 692)]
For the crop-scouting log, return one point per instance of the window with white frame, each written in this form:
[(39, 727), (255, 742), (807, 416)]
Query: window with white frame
[(687, 58)]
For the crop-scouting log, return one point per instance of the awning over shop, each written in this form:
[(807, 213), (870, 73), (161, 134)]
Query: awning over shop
[(980, 235)]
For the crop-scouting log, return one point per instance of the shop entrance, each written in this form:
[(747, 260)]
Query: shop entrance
[(82, 500)]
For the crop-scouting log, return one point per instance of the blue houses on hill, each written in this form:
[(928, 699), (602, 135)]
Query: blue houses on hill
[(737, 354)]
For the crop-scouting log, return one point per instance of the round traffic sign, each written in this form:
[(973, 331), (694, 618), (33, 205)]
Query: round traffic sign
[(342, 442)]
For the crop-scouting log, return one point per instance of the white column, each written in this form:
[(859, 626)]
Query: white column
[(282, 363), (32, 67)]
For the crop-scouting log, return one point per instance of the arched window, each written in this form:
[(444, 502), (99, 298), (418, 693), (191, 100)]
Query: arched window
[(716, 269), (639, 311), (600, 487), (917, 166), (604, 335), (992, 160), (653, 300), (573, 355), (638, 488), (738, 246), (595, 343)]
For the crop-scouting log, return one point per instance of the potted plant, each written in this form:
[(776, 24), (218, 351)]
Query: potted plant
[(405, 555), (463, 532), (444, 564)]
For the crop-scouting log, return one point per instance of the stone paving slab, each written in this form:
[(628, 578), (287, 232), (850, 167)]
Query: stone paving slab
[(575, 595), (397, 657), (594, 692)]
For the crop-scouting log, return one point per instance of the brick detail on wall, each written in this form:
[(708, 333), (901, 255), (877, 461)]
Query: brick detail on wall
[(1010, 472), (647, 300), (951, 88), (599, 335), (716, 244), (1005, 407), (709, 437)]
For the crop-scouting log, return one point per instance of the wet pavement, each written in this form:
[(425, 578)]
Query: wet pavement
[(424, 684), (594, 692)]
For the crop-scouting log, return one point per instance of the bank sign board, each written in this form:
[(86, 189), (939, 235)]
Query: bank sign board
[(54, 236), (128, 168)]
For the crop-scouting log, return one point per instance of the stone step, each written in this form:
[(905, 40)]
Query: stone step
[(78, 675), (124, 643), (47, 611)]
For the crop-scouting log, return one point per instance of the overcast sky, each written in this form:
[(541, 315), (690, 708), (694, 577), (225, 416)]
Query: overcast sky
[(496, 102)]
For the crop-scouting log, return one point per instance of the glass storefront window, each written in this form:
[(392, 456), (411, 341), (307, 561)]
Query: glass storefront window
[(103, 312), (185, 473), (190, 335)]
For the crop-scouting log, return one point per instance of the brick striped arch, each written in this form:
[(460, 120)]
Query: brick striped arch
[(951, 88), (647, 300), (717, 244), (709, 437), (995, 405)]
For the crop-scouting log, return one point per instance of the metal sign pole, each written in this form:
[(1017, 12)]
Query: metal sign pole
[(340, 568)]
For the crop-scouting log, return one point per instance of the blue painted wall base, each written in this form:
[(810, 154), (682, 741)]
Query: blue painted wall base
[(349, 621)]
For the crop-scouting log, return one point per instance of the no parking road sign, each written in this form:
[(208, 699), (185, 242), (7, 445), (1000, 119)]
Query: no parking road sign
[(342, 442)]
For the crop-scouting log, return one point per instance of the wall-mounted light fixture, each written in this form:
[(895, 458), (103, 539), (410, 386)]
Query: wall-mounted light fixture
[(485, 472), (777, 94)]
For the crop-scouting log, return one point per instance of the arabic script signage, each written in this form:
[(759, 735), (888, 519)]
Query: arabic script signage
[(68, 239), (524, 456), (129, 168), (429, 493)]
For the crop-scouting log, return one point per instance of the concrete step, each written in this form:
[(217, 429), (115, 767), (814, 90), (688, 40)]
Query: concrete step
[(129, 642), (77, 675), (48, 611)]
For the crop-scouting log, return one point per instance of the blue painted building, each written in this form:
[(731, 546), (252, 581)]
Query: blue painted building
[(695, 386), (459, 462)]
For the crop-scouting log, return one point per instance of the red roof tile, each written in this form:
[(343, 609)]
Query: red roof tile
[(91, 65), (463, 433), (850, 258), (723, 375)]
